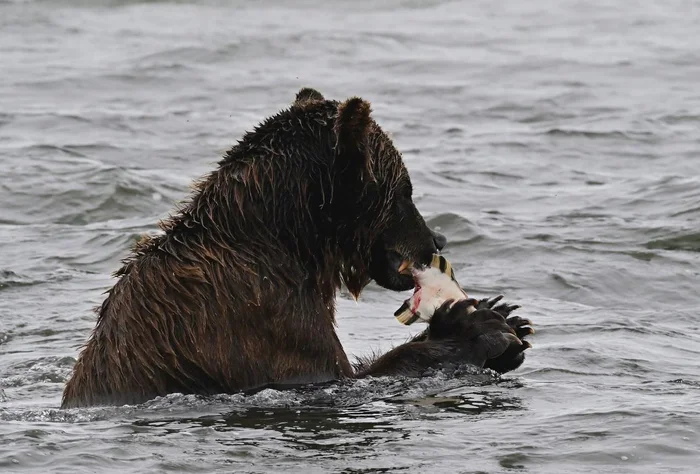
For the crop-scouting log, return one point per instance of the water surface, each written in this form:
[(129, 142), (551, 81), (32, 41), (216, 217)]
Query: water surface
[(556, 145)]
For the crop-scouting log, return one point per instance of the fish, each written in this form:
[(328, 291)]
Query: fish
[(435, 284)]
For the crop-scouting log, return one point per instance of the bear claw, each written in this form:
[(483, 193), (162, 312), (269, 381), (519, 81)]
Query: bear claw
[(504, 309), (521, 326), (489, 303)]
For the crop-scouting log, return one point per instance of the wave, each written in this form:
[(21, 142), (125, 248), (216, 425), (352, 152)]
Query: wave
[(689, 242)]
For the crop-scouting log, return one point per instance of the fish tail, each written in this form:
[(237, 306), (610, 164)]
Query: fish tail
[(405, 316)]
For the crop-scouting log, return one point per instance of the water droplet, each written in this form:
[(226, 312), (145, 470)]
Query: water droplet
[(157, 196), (624, 458)]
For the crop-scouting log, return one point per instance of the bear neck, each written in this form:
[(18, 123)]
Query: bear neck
[(242, 215)]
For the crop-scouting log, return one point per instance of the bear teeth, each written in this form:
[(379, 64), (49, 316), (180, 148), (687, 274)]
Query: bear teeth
[(404, 266)]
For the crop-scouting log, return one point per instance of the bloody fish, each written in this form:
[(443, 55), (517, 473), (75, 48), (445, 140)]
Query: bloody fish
[(435, 284)]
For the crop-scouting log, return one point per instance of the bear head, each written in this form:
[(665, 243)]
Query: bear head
[(379, 229)]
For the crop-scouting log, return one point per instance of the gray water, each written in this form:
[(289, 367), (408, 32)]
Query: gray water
[(556, 144)]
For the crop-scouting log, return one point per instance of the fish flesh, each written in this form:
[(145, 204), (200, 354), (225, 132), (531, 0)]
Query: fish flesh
[(435, 284)]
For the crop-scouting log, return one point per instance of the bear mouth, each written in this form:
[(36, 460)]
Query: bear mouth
[(399, 270), (394, 270)]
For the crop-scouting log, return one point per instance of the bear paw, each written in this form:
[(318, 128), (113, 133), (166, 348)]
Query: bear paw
[(485, 337)]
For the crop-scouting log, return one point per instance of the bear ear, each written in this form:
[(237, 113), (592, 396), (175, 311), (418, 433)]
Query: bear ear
[(307, 94), (352, 129)]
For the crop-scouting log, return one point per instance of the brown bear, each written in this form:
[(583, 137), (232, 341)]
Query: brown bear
[(238, 292)]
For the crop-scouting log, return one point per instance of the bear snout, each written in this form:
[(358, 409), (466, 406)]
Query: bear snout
[(439, 240)]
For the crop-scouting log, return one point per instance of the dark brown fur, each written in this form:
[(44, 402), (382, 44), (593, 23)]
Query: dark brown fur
[(238, 292)]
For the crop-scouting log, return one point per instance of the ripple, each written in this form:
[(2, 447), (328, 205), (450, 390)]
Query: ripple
[(10, 279), (43, 149), (43, 370), (611, 135), (673, 119), (687, 242)]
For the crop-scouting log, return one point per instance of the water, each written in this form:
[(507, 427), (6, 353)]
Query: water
[(556, 145)]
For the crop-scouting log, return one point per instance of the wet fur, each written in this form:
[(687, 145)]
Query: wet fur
[(238, 292)]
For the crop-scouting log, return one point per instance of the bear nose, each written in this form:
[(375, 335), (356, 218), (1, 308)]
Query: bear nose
[(439, 239)]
